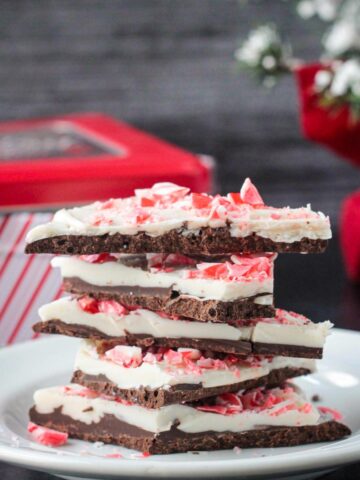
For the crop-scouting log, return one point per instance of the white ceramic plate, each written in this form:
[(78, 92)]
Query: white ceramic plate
[(32, 365)]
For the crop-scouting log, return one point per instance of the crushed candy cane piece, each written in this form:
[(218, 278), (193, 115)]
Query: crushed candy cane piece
[(149, 205), (141, 217), (240, 268), (235, 198), (200, 200), (145, 454), (188, 360), (150, 358), (191, 353), (129, 357), (108, 204), (80, 392), (98, 258), (47, 436), (249, 193), (111, 307), (156, 260), (113, 455), (336, 415), (146, 202), (100, 220), (162, 192), (173, 357), (213, 409), (162, 261), (230, 399), (88, 304), (256, 400)]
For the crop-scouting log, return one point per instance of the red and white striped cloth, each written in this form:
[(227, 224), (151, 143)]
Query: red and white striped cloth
[(26, 281)]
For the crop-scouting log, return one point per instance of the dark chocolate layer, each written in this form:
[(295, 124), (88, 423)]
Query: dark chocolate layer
[(206, 241), (240, 348), (112, 430), (58, 327), (292, 350), (156, 398), (236, 347), (173, 303)]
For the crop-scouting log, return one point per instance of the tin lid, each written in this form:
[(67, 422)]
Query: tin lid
[(47, 163)]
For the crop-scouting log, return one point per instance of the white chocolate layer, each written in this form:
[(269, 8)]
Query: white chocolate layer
[(129, 216), (163, 375), (293, 330), (139, 321), (116, 274), (191, 420)]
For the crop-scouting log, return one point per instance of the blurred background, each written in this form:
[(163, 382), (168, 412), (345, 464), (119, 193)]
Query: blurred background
[(168, 67)]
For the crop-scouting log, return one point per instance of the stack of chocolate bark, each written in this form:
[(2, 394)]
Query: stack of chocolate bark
[(183, 349)]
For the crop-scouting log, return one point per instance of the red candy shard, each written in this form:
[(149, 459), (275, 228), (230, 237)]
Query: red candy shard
[(98, 258), (88, 304), (168, 191), (161, 193), (213, 409), (249, 193), (108, 204), (150, 358), (306, 408), (331, 411), (239, 269), (111, 307), (156, 260), (80, 392), (99, 220), (212, 270), (190, 353), (236, 271), (146, 202), (230, 399), (254, 400), (47, 436), (178, 259), (235, 198), (141, 217), (207, 363), (162, 261), (173, 357), (200, 200), (218, 212), (128, 357)]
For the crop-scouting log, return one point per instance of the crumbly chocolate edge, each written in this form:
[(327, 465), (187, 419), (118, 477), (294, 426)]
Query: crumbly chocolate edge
[(206, 241), (185, 393), (111, 430), (171, 302), (236, 347)]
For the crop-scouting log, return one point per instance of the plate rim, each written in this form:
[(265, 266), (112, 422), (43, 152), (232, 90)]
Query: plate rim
[(81, 466)]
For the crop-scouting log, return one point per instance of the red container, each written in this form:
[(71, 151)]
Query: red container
[(63, 161), (81, 158)]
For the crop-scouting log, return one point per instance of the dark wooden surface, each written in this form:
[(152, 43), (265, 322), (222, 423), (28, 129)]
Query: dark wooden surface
[(167, 66)]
